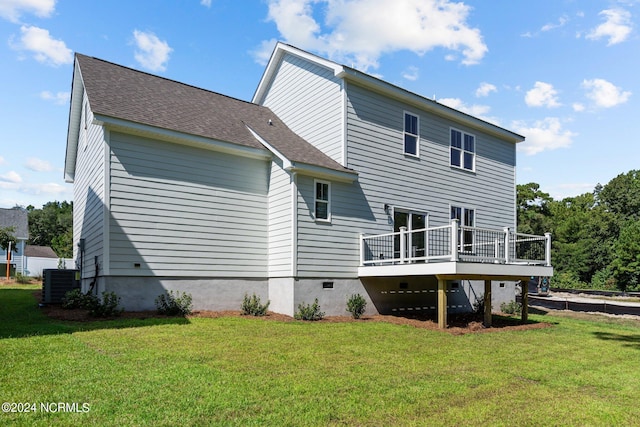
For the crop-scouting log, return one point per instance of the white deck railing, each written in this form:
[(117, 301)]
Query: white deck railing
[(455, 243)]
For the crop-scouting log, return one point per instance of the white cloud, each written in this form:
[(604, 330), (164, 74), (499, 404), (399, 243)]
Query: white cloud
[(358, 32), (605, 94), (578, 107), (617, 26), (45, 49), (206, 3), (562, 191), (151, 52), (546, 134), (60, 98), (11, 177), (476, 110), (485, 89), (542, 95), (561, 22), (411, 73), (38, 165), (13, 9)]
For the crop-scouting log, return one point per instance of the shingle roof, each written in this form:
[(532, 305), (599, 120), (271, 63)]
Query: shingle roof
[(131, 95), (16, 218), (39, 251)]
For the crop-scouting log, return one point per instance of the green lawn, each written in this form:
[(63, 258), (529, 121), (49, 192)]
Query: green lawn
[(244, 371)]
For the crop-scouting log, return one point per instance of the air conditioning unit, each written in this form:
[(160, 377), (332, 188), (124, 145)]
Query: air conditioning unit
[(56, 283)]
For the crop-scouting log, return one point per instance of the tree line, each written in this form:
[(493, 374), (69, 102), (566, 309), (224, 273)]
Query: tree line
[(595, 236), (52, 225)]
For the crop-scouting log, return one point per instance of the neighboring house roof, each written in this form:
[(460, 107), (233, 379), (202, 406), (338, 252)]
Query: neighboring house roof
[(377, 85), (125, 94), (17, 218), (39, 252)]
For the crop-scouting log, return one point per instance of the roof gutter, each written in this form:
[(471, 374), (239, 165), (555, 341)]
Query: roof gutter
[(168, 135)]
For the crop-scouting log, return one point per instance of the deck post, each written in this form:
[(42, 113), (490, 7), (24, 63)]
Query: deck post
[(442, 303), (362, 246), (487, 303), (454, 239), (524, 317), (547, 249), (403, 244), (506, 245)]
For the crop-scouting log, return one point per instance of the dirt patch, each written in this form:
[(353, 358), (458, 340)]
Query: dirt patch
[(458, 325)]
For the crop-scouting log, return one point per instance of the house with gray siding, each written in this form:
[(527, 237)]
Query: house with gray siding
[(16, 219), (330, 182)]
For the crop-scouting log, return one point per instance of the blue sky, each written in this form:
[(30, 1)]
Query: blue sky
[(563, 73)]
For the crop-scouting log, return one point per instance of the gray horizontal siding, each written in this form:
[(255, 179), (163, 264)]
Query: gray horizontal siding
[(308, 99), (89, 193), (184, 211), (331, 249), (280, 244), (387, 176)]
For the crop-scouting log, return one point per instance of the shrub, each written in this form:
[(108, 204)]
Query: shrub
[(107, 307), (76, 299), (253, 306), (72, 299), (356, 305), (568, 280), (22, 279), (309, 312), (512, 307), (478, 305), (180, 303)]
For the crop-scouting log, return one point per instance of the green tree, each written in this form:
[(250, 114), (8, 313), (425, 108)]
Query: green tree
[(52, 226), (621, 196), (7, 237), (626, 264), (583, 236), (532, 204)]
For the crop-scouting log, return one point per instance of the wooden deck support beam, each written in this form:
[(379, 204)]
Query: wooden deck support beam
[(442, 303), (524, 283), (487, 303)]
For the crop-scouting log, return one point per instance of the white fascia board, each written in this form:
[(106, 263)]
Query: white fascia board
[(278, 52), (323, 173), (303, 168), (433, 106), (286, 164), (452, 270), (73, 128), (148, 131)]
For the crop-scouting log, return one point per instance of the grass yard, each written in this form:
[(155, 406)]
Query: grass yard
[(245, 371)]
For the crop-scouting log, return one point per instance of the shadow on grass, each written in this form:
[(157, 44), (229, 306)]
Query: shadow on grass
[(632, 341), (20, 316)]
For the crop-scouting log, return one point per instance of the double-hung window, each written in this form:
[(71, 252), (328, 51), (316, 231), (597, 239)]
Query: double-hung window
[(467, 218), (322, 210), (463, 150), (411, 138)]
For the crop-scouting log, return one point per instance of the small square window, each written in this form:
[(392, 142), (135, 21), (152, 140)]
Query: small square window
[(322, 210)]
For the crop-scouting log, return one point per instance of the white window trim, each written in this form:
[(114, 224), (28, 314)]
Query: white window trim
[(404, 132), (462, 150), (316, 200)]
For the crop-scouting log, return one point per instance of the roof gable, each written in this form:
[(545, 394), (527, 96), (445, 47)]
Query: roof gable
[(18, 219), (370, 82)]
